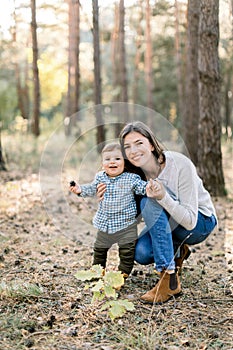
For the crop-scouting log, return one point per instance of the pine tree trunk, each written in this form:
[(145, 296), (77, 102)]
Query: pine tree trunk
[(100, 137), (120, 74), (179, 64), (148, 58), (115, 57), (209, 152), (36, 82), (21, 84), (72, 105), (123, 74), (138, 55), (191, 117)]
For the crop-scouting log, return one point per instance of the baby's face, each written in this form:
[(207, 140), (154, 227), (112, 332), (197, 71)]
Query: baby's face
[(113, 163)]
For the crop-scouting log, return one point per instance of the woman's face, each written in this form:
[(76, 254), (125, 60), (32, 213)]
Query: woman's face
[(138, 149)]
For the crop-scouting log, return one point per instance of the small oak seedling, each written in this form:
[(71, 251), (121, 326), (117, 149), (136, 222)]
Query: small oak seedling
[(104, 286)]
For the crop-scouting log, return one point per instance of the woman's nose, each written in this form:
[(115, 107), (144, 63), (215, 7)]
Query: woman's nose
[(133, 149)]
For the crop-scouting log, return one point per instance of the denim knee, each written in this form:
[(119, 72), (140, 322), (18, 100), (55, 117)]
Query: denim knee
[(142, 254), (151, 211)]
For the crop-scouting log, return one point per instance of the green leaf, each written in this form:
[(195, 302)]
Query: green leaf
[(96, 271), (98, 286), (96, 296), (116, 310), (105, 306), (128, 305), (114, 279), (109, 291), (101, 297)]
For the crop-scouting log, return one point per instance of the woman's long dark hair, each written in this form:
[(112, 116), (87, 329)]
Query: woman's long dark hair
[(145, 131)]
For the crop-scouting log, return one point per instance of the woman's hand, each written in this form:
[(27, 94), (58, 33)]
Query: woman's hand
[(101, 188), (155, 189)]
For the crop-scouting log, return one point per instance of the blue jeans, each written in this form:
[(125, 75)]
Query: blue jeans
[(161, 236)]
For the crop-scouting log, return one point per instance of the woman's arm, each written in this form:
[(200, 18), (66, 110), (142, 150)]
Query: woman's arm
[(184, 208)]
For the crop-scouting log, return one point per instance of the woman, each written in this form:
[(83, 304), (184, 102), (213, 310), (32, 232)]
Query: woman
[(177, 209)]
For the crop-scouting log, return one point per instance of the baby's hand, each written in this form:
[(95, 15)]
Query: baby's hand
[(75, 188)]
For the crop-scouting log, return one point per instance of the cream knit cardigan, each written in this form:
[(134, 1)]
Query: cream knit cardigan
[(185, 193)]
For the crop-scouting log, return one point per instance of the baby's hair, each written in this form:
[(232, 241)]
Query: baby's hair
[(111, 147)]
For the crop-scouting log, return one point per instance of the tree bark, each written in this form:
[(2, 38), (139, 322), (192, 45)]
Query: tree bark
[(123, 71), (100, 137), (209, 151), (148, 58), (36, 82), (179, 65), (21, 76), (119, 64), (115, 57), (73, 92), (138, 55), (192, 113)]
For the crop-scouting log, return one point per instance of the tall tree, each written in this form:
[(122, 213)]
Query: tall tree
[(138, 54), (123, 71), (209, 142), (36, 81), (191, 116), (21, 75), (115, 55), (100, 137), (119, 64), (179, 63), (148, 58), (73, 92)]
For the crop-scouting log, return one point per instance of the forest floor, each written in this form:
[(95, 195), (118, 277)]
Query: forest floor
[(43, 306)]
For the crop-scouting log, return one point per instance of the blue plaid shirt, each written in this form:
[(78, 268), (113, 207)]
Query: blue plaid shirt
[(117, 210)]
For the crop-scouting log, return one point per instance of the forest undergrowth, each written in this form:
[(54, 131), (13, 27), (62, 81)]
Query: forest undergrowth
[(43, 306)]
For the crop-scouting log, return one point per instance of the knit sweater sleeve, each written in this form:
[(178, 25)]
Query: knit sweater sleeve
[(184, 208)]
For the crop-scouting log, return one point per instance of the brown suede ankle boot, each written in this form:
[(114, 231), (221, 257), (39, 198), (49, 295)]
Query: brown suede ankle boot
[(168, 286)]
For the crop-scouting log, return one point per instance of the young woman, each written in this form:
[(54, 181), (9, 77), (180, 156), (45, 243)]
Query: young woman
[(177, 210)]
